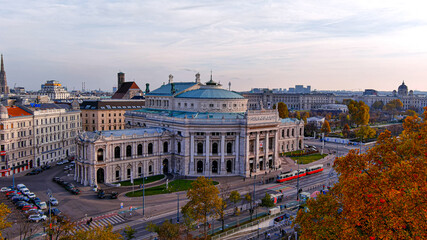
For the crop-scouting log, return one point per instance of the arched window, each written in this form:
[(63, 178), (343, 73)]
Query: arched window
[(229, 147), (117, 152), (150, 148), (165, 147), (179, 147), (100, 154), (214, 148), (139, 149), (200, 148), (128, 151)]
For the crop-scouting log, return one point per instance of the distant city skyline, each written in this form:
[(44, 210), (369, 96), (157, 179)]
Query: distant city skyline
[(332, 45)]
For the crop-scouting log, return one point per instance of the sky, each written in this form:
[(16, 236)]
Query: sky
[(330, 45)]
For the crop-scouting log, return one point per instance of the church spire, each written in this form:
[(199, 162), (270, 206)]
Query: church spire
[(2, 65)]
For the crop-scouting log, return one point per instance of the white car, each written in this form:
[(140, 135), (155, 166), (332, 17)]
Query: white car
[(5, 189), (59, 163), (37, 217), (53, 201), (25, 191), (33, 212), (31, 195), (20, 186)]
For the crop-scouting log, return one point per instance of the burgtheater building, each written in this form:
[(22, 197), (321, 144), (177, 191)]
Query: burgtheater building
[(191, 129)]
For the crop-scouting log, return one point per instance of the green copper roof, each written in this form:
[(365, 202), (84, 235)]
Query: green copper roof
[(209, 93), (165, 90)]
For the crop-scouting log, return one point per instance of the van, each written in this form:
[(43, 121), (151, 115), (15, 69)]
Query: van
[(273, 211)]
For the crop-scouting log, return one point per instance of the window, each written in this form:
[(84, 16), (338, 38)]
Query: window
[(214, 148), (128, 151), (229, 147), (100, 154), (199, 148), (139, 149), (139, 171), (117, 152), (117, 174), (179, 147), (129, 172), (211, 105), (150, 148), (165, 147)]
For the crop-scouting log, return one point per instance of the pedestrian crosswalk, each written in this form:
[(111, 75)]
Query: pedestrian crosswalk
[(100, 222)]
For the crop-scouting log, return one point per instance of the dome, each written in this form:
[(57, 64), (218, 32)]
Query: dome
[(403, 89), (210, 93)]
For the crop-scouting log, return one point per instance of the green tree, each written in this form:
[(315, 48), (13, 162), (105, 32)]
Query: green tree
[(267, 201), (203, 200), (4, 212), (235, 198), (166, 231), (366, 132), (274, 106), (248, 199), (129, 232), (378, 105), (359, 112), (325, 127), (283, 110)]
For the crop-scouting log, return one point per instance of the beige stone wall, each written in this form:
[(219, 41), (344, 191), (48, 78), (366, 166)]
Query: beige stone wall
[(103, 120)]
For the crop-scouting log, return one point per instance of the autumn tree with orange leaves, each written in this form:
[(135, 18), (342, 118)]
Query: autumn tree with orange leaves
[(381, 194)]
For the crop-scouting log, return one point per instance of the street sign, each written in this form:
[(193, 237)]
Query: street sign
[(3, 153)]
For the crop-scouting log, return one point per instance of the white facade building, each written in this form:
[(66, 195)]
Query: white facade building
[(191, 129), (54, 90)]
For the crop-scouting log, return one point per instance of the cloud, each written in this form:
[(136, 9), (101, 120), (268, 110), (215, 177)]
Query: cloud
[(251, 42)]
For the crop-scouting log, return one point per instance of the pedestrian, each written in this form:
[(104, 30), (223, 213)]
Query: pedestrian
[(268, 235)]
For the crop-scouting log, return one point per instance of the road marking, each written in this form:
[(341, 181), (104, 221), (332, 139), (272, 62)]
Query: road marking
[(100, 221)]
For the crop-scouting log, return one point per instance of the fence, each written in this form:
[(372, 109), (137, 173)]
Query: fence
[(247, 225)]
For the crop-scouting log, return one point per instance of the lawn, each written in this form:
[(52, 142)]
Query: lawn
[(139, 180), (174, 186), (309, 158)]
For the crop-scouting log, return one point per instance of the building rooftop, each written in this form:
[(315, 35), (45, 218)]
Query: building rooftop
[(114, 104), (210, 93), (124, 88), (165, 90), (118, 133), (15, 111)]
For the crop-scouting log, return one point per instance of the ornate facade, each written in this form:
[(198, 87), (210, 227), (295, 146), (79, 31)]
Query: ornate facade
[(191, 129)]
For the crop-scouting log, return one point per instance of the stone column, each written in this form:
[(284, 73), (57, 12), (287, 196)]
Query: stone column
[(276, 158), (246, 155), (191, 170), (222, 166), (256, 152), (237, 163), (207, 151), (267, 135), (85, 181)]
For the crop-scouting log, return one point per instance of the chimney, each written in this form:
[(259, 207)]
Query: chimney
[(197, 77), (170, 78)]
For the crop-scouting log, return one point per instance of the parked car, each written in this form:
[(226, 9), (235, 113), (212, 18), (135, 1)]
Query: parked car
[(36, 200), (102, 194), (25, 191), (75, 191), (64, 183), (54, 211), (5, 189), (45, 167), (42, 205), (69, 186), (13, 193), (31, 195), (19, 186), (59, 163), (60, 181), (28, 207), (33, 211), (114, 195), (56, 179), (20, 204), (18, 198), (53, 201), (37, 217)]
